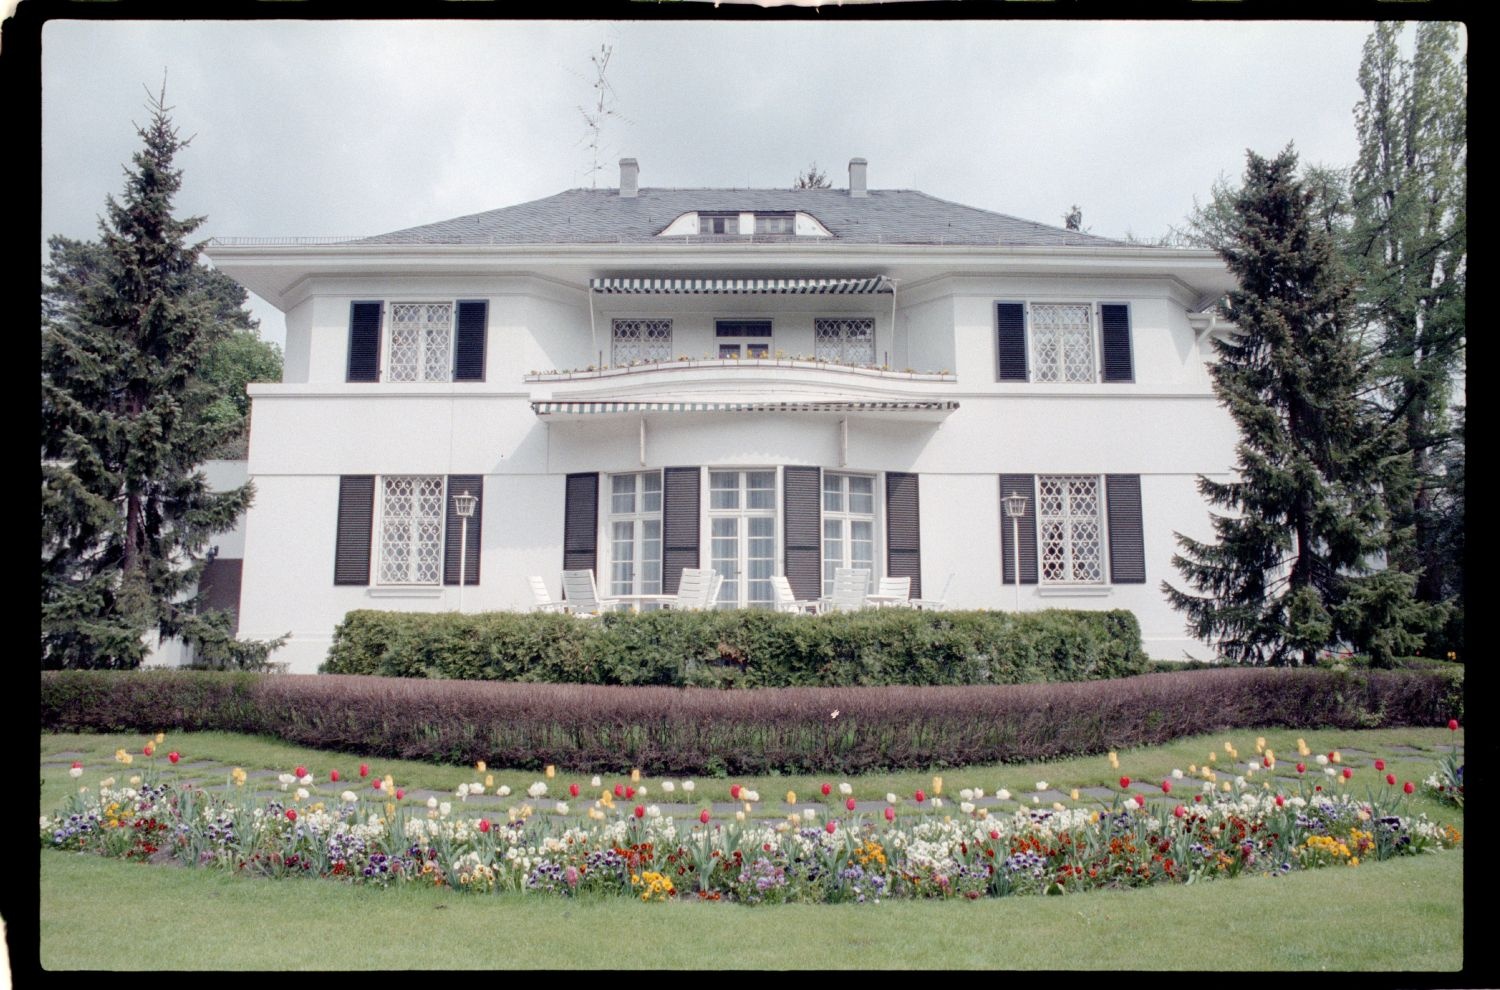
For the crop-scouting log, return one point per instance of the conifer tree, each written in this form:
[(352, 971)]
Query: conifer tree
[(126, 513), (1288, 574)]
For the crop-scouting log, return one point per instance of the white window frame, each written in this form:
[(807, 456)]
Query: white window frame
[(743, 513), (388, 341), (745, 343), (637, 519), (846, 517), (1033, 366), (640, 342), (1101, 519), (727, 219), (379, 525)]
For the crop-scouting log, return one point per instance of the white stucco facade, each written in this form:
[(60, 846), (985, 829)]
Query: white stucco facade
[(937, 411)]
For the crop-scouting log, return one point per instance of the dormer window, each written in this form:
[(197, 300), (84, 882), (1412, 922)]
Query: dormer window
[(718, 223), (746, 223), (775, 223)]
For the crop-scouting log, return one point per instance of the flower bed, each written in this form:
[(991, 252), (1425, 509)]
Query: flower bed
[(367, 831)]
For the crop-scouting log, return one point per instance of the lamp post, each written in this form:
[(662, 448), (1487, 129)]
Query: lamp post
[(1015, 507), (464, 505)]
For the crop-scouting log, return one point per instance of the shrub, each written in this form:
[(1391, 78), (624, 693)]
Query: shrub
[(746, 648), (695, 731)]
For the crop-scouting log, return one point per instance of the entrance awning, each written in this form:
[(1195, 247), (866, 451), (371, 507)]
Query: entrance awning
[(596, 408), (743, 286)]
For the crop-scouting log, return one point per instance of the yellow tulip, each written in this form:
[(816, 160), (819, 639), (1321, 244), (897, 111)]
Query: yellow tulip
[(479, 767), (551, 771), (1073, 794), (1224, 787), (791, 797), (1114, 760), (1335, 757), (489, 781), (1213, 757), (937, 785), (635, 776)]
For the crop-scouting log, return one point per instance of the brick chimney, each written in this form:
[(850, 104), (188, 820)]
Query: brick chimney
[(857, 177), (630, 174)]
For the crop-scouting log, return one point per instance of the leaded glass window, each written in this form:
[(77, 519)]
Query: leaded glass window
[(845, 340), (411, 530), (1062, 342), (1070, 529), (421, 342), (641, 342)]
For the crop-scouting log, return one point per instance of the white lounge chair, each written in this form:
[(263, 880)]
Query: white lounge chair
[(893, 592), (717, 582), (849, 587), (542, 600), (786, 598), (583, 594), (693, 589)]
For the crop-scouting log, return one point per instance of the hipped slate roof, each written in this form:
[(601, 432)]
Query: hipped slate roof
[(603, 216)]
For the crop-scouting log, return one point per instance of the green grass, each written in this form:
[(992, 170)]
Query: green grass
[(1403, 914)]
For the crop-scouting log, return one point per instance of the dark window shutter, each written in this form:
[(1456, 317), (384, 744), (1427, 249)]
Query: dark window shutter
[(679, 525), (1114, 318), (1010, 320), (1127, 544), (364, 342), (1026, 485), (468, 345), (453, 535), (581, 523), (802, 510), (903, 530), (351, 558)]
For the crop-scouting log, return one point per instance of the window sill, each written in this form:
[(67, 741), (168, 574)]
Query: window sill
[(1074, 591), (405, 591)]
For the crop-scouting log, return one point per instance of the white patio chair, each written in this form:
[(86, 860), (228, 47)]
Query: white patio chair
[(893, 592), (849, 587), (786, 598), (692, 589), (711, 601), (583, 594), (541, 600)]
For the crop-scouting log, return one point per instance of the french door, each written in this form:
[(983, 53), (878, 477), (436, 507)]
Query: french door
[(742, 536)]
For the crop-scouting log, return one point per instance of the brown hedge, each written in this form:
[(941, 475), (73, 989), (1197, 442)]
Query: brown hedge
[(694, 730)]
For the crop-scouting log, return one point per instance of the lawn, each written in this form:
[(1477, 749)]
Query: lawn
[(1403, 914)]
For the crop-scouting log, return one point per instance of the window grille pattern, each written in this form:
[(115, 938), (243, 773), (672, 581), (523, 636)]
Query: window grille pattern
[(421, 342), (1070, 530), (1062, 342), (845, 341), (641, 342), (411, 530)]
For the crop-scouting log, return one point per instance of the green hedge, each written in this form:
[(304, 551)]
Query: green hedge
[(745, 648), (697, 731)]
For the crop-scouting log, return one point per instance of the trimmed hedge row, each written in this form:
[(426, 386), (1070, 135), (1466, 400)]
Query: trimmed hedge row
[(745, 648), (697, 731)]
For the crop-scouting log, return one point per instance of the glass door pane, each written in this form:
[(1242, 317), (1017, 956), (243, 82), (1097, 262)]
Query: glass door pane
[(724, 557), (760, 561)]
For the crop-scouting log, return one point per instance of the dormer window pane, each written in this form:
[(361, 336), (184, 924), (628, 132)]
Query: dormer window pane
[(718, 223), (774, 223)]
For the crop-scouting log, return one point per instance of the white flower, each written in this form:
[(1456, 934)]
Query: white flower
[(504, 790), (688, 786), (1035, 799), (463, 791), (1176, 774), (444, 808), (966, 808), (1330, 771), (652, 811), (1041, 785), (845, 789), (641, 790), (432, 802), (302, 794), (305, 779), (890, 798), (76, 772), (750, 795), (286, 780), (1003, 794), (667, 786), (348, 797), (1239, 782), (978, 793), (594, 781), (562, 807), (1322, 760), (937, 802), (538, 789), (476, 788)]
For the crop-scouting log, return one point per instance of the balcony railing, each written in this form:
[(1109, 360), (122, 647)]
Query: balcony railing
[(592, 373)]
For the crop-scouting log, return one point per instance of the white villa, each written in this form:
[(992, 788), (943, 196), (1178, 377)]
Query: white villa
[(761, 381)]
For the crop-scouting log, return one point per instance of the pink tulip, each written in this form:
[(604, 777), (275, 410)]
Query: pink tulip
[(364, 769), (890, 813), (849, 804), (831, 826), (703, 816), (1179, 811), (640, 812)]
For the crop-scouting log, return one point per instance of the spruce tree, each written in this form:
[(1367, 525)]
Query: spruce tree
[(1289, 571), (126, 513)]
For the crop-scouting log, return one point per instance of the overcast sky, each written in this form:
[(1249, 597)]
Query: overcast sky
[(340, 128)]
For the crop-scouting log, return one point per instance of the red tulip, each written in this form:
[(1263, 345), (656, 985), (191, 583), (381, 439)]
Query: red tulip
[(572, 790), (703, 816), (173, 757), (1379, 764), (1302, 768), (1331, 753), (921, 795), (400, 793), (1197, 798), (77, 765), (831, 826), (300, 772), (1124, 782), (364, 769), (629, 792), (619, 790), (640, 812), (149, 749), (1266, 762), (849, 804), (1280, 801), (334, 776), (1348, 773), (827, 789), (1453, 725), (994, 834), (484, 824), (1318, 787), (1390, 778), (1140, 801), (1407, 787), (291, 814), (1179, 811), (734, 791), (890, 813), (1166, 787), (377, 783)]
